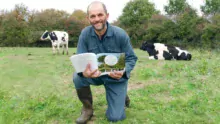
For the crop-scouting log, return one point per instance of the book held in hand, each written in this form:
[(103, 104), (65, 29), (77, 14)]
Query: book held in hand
[(104, 62)]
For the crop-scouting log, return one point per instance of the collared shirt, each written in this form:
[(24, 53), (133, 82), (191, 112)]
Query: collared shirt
[(115, 40)]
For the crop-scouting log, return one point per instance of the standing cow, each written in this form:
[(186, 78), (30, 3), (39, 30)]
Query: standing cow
[(165, 52), (57, 38)]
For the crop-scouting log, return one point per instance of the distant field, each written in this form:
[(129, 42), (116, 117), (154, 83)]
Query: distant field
[(36, 87)]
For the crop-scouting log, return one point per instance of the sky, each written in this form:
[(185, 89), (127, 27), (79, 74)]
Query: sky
[(114, 7)]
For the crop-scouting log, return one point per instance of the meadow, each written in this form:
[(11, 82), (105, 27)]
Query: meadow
[(36, 87)]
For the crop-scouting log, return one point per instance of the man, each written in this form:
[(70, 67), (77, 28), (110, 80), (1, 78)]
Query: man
[(101, 37)]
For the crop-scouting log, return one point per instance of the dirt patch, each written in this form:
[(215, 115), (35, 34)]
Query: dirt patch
[(15, 57), (137, 85)]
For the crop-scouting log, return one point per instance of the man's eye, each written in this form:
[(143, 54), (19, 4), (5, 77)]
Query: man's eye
[(100, 15), (92, 16)]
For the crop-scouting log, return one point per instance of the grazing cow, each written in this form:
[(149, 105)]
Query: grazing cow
[(164, 52), (57, 38)]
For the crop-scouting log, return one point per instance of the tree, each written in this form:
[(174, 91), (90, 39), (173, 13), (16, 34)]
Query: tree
[(79, 17), (137, 12), (50, 19), (211, 7), (175, 7), (15, 26), (211, 32), (134, 18), (75, 23), (190, 26), (79, 14)]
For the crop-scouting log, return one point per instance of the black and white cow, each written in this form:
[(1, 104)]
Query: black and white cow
[(57, 38), (165, 52)]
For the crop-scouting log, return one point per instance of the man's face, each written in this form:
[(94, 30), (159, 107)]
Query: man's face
[(97, 17)]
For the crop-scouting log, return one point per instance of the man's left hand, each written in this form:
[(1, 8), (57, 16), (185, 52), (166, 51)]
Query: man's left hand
[(116, 74)]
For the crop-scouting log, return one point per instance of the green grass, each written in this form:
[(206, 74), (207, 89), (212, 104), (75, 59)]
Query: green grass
[(36, 87)]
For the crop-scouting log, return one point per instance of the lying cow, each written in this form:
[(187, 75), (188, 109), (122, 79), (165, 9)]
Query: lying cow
[(57, 38), (164, 52)]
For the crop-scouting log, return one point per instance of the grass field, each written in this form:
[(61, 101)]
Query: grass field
[(36, 87)]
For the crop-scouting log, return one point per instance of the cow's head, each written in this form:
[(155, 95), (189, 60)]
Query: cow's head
[(149, 47), (146, 46), (45, 35)]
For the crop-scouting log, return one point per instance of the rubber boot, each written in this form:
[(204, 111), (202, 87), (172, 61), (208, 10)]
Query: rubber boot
[(85, 96), (127, 101)]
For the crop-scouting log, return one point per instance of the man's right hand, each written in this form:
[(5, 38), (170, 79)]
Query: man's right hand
[(88, 73)]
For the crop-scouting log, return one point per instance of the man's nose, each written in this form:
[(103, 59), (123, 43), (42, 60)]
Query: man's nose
[(96, 18)]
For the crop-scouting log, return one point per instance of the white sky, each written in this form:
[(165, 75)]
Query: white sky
[(114, 7)]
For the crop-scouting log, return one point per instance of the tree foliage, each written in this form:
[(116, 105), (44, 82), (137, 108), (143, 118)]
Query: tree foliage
[(186, 29), (211, 33), (75, 23), (20, 26), (175, 7), (137, 12), (135, 16), (187, 24), (211, 7), (23, 27), (54, 19), (15, 27)]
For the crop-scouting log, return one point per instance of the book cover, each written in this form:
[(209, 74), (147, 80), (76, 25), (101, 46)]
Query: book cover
[(104, 62)]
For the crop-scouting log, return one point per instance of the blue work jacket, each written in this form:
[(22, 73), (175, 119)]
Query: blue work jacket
[(115, 40)]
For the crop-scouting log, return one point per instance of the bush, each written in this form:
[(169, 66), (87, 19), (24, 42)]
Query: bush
[(210, 36)]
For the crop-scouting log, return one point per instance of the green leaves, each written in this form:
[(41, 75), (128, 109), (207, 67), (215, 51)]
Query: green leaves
[(211, 7), (135, 17), (137, 12), (175, 7)]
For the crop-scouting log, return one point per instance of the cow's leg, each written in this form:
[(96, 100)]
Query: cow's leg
[(63, 49), (53, 48), (58, 48), (151, 57)]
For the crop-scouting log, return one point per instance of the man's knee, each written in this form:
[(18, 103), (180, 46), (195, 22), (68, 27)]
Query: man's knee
[(77, 80)]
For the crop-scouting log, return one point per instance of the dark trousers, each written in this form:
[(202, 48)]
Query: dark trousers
[(115, 94)]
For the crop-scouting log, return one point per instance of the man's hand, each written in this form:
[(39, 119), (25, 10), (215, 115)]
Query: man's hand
[(88, 73), (116, 74)]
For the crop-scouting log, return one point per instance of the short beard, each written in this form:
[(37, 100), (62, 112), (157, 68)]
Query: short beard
[(103, 27)]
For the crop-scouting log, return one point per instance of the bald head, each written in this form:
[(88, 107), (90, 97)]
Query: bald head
[(96, 4)]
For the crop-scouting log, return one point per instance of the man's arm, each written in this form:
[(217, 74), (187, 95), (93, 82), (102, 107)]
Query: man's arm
[(130, 57), (81, 47)]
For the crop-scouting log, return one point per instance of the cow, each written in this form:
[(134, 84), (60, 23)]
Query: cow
[(57, 38), (159, 51)]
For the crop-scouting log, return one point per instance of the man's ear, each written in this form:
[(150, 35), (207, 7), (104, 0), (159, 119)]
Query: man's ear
[(87, 17), (107, 16)]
